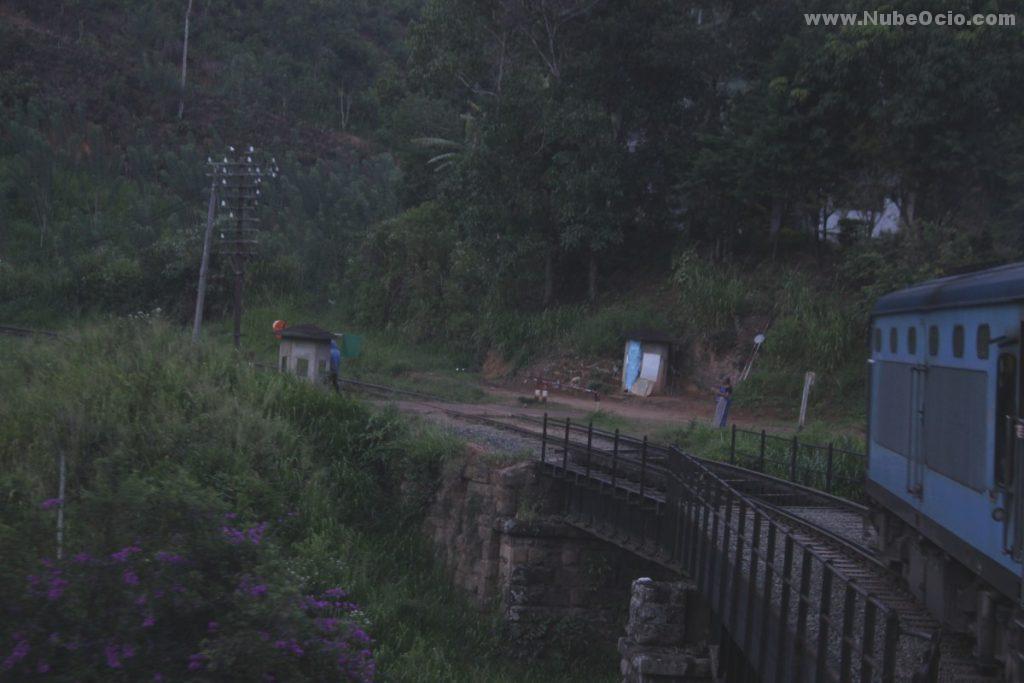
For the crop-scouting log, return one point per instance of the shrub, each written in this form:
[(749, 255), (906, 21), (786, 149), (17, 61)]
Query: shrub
[(164, 443), (213, 603)]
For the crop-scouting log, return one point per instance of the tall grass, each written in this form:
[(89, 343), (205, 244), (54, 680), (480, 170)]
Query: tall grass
[(712, 295), (848, 464), (152, 428)]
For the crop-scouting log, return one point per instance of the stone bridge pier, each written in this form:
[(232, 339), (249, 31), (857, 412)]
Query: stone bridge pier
[(667, 635), (496, 526)]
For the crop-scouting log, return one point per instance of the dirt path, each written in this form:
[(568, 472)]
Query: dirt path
[(654, 415), (661, 411), (636, 416)]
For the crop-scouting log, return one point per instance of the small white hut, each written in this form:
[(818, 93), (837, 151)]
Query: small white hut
[(306, 351)]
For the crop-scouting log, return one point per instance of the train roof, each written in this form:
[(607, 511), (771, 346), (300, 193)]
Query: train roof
[(995, 285)]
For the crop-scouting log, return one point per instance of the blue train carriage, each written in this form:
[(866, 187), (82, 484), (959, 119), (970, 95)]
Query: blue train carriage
[(945, 378)]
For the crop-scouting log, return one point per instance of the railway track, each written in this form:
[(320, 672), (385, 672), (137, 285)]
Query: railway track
[(832, 527), (832, 516)]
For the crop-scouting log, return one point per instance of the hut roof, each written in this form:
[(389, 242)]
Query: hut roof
[(306, 331)]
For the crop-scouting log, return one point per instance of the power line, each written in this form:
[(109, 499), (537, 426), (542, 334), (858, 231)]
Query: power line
[(237, 179)]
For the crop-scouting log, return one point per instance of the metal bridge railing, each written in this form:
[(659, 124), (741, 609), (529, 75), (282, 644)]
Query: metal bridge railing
[(828, 467), (795, 615)]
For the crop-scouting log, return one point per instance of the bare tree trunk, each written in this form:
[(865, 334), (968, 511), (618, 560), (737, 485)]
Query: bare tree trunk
[(42, 209), (184, 62), (549, 276), (592, 280), (345, 107), (907, 207), (775, 225)]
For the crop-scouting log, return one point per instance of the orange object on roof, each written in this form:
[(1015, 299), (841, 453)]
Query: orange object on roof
[(278, 326)]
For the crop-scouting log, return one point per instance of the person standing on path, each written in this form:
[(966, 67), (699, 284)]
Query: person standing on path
[(722, 402), (335, 365)]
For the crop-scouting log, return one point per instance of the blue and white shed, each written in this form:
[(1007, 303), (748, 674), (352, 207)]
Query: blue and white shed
[(646, 362)]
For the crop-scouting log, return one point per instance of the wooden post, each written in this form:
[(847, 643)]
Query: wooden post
[(204, 264), (808, 381), (732, 446)]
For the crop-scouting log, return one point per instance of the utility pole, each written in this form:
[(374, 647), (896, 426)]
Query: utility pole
[(239, 178)]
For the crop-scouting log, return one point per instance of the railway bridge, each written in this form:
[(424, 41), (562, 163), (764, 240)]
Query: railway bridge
[(791, 588), (788, 572)]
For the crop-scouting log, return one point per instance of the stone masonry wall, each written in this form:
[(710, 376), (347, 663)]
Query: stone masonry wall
[(495, 526)]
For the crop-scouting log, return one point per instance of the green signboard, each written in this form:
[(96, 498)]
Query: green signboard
[(351, 345)]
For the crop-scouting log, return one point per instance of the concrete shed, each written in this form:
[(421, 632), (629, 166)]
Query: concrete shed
[(305, 350), (646, 362)]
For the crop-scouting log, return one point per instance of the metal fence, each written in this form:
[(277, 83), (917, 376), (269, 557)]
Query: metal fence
[(829, 468), (794, 614)]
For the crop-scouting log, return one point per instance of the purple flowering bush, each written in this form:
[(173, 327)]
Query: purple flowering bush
[(216, 605)]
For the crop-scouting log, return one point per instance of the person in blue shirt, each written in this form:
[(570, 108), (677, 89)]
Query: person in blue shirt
[(723, 399), (335, 365)]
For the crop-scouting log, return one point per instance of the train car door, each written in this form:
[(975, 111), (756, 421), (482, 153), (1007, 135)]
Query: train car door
[(918, 347), (916, 459), (1010, 443)]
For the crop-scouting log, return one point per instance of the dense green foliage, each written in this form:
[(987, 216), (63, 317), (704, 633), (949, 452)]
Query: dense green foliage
[(199, 491), (102, 185), (678, 159), (482, 174), (599, 137)]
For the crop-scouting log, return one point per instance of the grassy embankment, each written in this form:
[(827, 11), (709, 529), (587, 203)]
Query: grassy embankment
[(812, 325), (152, 427)]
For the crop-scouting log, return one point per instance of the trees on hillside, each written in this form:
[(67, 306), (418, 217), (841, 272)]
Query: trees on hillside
[(586, 139), (609, 132), (565, 166)]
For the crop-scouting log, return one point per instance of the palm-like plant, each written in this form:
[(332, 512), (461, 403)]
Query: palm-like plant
[(450, 151)]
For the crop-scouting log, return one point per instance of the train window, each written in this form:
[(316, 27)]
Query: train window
[(958, 341), (912, 340), (878, 339), (893, 340), (933, 340), (984, 337)]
